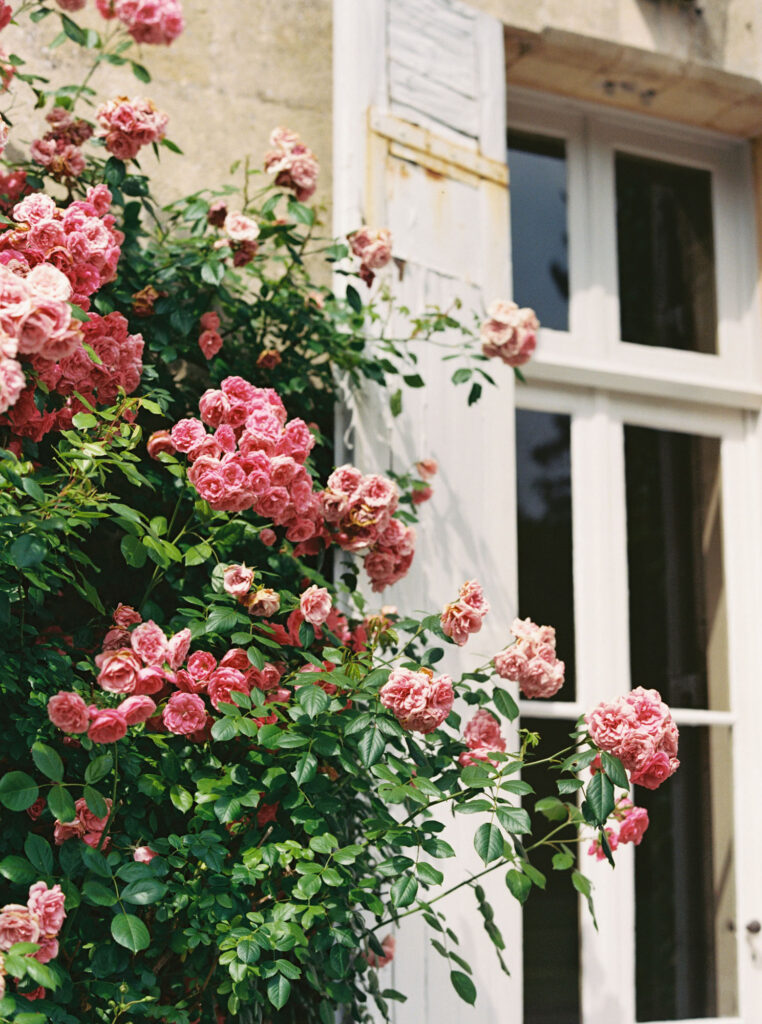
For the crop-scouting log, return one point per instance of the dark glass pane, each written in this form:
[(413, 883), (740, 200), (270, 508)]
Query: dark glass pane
[(539, 236), (543, 469), (666, 255), (685, 887), (678, 636), (551, 916)]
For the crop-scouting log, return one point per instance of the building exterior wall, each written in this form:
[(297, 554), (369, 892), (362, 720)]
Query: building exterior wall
[(240, 68)]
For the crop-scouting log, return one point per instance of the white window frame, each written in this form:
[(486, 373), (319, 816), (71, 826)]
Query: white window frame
[(591, 352)]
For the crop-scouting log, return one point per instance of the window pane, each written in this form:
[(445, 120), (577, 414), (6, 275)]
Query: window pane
[(678, 626), (685, 886), (551, 915), (543, 468), (666, 255), (539, 237)]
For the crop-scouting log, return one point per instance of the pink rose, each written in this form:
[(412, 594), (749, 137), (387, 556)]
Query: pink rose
[(126, 616), (143, 854), (91, 822), (427, 468), (151, 679), (268, 536), (241, 228), (509, 333), (263, 602), (64, 830), (119, 670), (48, 951), (223, 682), (184, 713), (68, 712), (150, 643), (201, 664), (595, 849), (655, 771), (178, 647), (419, 701), (17, 924), (237, 580), (388, 944), (137, 708), (48, 905), (484, 731), (315, 604), (160, 441), (108, 725), (634, 826)]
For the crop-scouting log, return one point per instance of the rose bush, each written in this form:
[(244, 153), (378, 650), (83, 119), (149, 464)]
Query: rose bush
[(220, 762)]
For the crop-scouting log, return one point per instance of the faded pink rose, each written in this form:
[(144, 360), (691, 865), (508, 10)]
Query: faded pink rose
[(509, 333), (263, 602), (126, 616), (17, 924), (427, 468), (119, 670), (372, 246), (241, 228), (184, 713), (465, 616), (150, 643), (151, 679), (92, 822), (315, 604), (419, 701), (532, 661), (160, 441), (48, 905), (68, 712), (138, 708), (237, 580), (388, 944), (107, 726), (143, 854), (210, 342)]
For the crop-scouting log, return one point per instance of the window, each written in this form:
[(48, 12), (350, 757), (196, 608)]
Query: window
[(639, 537)]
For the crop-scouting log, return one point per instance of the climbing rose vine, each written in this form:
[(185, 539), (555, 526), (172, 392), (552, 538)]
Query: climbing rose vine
[(229, 770)]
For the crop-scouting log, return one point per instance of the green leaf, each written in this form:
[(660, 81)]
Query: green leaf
[(305, 769), (98, 768), (114, 171), (96, 862), (518, 884), (600, 797), (552, 808), (144, 891), (462, 374), (428, 873), (27, 551), (371, 746), (615, 770), (135, 555), (198, 554), (247, 951), (505, 704), (73, 31), (33, 489), (562, 861), (475, 393), (84, 420), (312, 698), (61, 804), (224, 729), (95, 802), (141, 73), (414, 380), (48, 761), (404, 890), (463, 986), (130, 932), (98, 893), (569, 785), (181, 798), (395, 402), (536, 876), (488, 842), (474, 775), (39, 853), (353, 298), (278, 991), (18, 791), (18, 870)]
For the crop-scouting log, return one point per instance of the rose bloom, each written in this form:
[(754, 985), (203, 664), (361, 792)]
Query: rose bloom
[(223, 682), (241, 228), (160, 441), (595, 849), (210, 342), (388, 944), (143, 854), (268, 536), (150, 680), (484, 731), (48, 905), (48, 951), (137, 708), (374, 247), (200, 666), (655, 771), (68, 712), (17, 924), (634, 826), (119, 670), (237, 580), (315, 604), (178, 647), (509, 333), (126, 616), (184, 713), (108, 725), (427, 468), (150, 643), (419, 701), (264, 602)]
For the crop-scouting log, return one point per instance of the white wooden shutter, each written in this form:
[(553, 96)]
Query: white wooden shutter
[(419, 147)]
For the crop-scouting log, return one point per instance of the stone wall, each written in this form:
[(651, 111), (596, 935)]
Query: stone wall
[(240, 68)]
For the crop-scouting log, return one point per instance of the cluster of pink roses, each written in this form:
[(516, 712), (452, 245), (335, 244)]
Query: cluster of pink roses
[(158, 22), (633, 824), (509, 333), (373, 247), (127, 125), (210, 340), (359, 510), (419, 701), (463, 617), (532, 660), (638, 729), (293, 164), (38, 922), (85, 825), (59, 148), (483, 737)]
